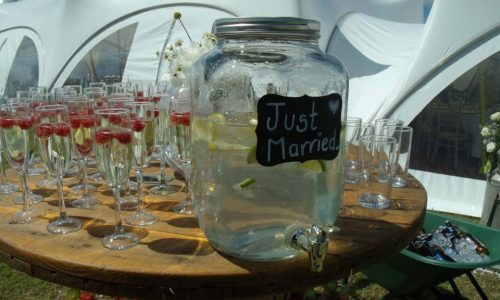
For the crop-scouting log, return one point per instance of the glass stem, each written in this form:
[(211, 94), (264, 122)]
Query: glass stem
[(140, 196), (23, 175), (126, 189), (162, 164), (60, 191), (28, 190), (118, 212), (2, 168), (187, 166), (85, 179)]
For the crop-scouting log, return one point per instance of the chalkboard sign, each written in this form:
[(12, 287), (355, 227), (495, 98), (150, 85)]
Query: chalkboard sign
[(298, 129)]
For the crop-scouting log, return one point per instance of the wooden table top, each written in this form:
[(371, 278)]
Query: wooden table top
[(174, 259)]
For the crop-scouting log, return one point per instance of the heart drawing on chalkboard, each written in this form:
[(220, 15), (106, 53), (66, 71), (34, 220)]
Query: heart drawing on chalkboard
[(334, 105)]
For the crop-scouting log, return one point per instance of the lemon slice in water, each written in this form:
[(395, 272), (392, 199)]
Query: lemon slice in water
[(314, 165), (252, 155)]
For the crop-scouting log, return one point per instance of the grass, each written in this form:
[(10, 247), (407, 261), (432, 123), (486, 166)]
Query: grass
[(15, 285), (362, 288)]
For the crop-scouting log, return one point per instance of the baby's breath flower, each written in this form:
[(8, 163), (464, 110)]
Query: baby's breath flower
[(179, 68), (490, 147), (495, 116), (180, 56), (485, 132)]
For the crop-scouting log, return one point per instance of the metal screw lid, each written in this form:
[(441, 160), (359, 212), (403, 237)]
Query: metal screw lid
[(261, 26)]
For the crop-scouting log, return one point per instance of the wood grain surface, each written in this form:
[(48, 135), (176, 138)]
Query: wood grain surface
[(175, 260)]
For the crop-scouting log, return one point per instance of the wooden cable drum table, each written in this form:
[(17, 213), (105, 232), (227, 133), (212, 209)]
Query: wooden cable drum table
[(175, 260)]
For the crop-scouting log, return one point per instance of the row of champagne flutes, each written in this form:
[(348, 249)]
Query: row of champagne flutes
[(123, 129), (101, 92), (377, 157)]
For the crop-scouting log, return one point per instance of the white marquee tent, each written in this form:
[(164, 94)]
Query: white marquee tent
[(414, 63), (397, 62)]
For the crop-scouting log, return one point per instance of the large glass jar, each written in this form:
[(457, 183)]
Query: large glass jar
[(268, 112)]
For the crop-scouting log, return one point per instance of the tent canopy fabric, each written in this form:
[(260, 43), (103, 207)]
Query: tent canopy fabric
[(67, 30), (396, 61)]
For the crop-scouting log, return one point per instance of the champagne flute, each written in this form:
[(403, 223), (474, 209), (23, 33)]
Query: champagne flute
[(77, 161), (179, 121), (155, 93), (6, 187), (81, 120), (54, 140), (40, 99), (72, 90), (15, 121), (143, 131), (37, 96), (98, 84), (163, 188), (113, 138), (31, 145), (97, 92), (129, 201)]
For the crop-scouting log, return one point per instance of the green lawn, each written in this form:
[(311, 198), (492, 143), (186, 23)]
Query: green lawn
[(15, 285)]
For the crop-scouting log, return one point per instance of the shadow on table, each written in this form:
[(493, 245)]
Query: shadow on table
[(184, 222), (44, 192), (162, 205), (181, 246), (101, 231), (67, 201)]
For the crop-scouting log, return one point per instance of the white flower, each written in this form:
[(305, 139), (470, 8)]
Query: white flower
[(179, 57), (485, 132), (182, 58), (495, 116), (490, 147)]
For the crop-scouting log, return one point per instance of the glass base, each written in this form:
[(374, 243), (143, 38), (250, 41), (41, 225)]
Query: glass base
[(64, 226), (128, 203), (331, 228), (267, 244), (164, 189), (399, 182), (72, 171), (91, 163), (120, 240), (86, 202), (25, 216), (141, 219), (184, 208), (374, 200), (33, 197), (351, 176), (8, 188), (132, 185), (46, 183), (96, 176), (33, 171), (78, 189), (154, 178), (156, 155)]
